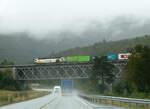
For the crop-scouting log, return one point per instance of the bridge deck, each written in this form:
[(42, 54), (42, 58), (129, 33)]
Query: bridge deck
[(54, 70)]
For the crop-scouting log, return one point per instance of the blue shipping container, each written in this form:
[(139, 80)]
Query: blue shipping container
[(66, 86), (111, 57)]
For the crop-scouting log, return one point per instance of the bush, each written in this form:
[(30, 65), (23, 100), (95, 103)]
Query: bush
[(3, 98), (118, 88), (11, 99), (140, 95), (106, 92), (7, 81)]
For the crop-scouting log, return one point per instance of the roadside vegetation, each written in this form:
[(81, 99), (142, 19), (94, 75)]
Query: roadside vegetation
[(103, 73), (136, 75), (7, 82), (133, 83), (9, 97), (11, 90)]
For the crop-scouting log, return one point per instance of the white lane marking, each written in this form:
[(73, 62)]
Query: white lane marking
[(55, 100), (81, 101), (58, 101), (46, 105)]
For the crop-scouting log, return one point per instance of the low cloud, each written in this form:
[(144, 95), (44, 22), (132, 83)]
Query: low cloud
[(41, 17)]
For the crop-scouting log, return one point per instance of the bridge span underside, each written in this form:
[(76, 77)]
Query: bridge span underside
[(53, 71)]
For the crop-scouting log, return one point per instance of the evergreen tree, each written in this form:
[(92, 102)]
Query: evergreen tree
[(137, 70), (103, 72)]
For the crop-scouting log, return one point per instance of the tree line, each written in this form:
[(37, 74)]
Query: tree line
[(7, 82), (135, 79)]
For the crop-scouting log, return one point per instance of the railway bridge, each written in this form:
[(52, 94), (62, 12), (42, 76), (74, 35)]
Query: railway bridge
[(56, 70)]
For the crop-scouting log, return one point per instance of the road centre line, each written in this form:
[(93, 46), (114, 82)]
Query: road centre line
[(42, 107)]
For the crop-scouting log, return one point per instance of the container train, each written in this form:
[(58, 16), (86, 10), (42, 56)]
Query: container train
[(110, 57)]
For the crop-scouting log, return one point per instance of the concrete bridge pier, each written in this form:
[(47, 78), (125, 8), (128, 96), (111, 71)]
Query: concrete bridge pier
[(14, 72)]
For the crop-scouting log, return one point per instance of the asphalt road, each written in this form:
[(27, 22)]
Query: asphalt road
[(56, 102)]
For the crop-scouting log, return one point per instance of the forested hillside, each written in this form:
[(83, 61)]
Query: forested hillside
[(22, 48), (19, 49), (106, 47)]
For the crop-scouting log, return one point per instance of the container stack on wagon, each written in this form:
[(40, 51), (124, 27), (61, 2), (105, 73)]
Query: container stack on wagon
[(123, 56), (111, 57), (78, 59)]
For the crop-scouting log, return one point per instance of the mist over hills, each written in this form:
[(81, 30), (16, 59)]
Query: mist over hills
[(101, 48), (22, 47)]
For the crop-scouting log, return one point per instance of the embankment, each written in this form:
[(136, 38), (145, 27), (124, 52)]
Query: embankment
[(9, 97)]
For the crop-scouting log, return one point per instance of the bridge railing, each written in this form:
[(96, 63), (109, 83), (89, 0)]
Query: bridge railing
[(130, 102)]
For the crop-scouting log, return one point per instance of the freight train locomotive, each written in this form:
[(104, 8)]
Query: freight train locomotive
[(110, 57), (51, 60)]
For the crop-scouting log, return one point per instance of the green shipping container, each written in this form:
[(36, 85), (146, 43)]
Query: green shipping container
[(78, 58)]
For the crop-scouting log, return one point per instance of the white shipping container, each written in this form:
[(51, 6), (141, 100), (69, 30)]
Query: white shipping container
[(123, 56)]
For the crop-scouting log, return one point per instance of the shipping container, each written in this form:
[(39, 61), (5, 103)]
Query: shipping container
[(78, 58), (83, 58), (66, 86), (72, 58), (123, 56), (111, 57), (93, 57)]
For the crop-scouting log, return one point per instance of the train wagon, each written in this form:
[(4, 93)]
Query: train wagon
[(123, 56), (111, 57), (78, 59)]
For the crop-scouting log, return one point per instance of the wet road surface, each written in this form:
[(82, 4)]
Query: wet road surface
[(66, 102), (56, 102)]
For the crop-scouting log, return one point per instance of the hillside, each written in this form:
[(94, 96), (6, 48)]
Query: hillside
[(22, 47), (106, 47)]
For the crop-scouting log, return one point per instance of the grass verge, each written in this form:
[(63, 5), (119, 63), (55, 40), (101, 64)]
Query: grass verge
[(9, 97)]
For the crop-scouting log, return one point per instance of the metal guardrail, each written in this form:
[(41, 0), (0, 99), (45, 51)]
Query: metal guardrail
[(119, 99)]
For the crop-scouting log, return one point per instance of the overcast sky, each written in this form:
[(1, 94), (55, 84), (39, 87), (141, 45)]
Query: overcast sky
[(41, 16)]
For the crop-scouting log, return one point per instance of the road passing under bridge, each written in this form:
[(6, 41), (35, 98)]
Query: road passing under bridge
[(56, 70)]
